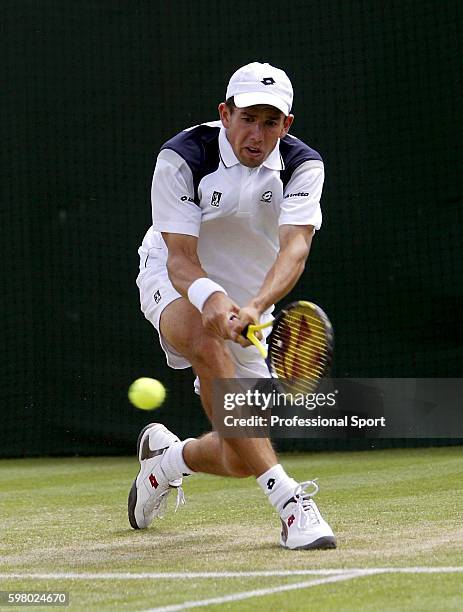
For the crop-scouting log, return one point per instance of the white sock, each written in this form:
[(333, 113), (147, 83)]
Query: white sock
[(278, 486), (173, 465)]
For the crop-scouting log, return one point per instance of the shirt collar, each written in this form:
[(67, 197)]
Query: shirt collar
[(226, 152), (273, 161)]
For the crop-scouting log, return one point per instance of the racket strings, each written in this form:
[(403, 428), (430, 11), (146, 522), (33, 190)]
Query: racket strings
[(302, 352)]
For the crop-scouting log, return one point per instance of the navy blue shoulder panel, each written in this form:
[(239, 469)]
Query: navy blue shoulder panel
[(294, 152), (199, 147)]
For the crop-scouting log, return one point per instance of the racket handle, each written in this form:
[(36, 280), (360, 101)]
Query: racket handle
[(244, 331), (253, 328), (249, 332)]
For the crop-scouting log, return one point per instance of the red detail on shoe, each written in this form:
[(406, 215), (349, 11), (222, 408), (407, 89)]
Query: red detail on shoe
[(153, 481), (284, 531), (291, 520)]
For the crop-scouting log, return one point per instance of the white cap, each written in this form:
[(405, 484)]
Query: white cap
[(261, 84)]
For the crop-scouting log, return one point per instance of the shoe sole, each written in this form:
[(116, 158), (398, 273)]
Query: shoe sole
[(132, 501), (324, 543)]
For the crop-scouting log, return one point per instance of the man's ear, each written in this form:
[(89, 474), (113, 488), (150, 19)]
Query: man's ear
[(286, 125), (224, 114)]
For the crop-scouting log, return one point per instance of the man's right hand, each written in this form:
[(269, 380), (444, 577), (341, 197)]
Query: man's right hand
[(217, 313)]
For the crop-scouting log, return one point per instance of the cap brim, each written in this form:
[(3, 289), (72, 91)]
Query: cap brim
[(252, 99)]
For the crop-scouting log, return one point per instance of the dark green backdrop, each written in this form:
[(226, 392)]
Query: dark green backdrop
[(90, 90)]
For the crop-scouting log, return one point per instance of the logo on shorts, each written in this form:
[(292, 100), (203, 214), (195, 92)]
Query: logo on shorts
[(157, 296), (215, 200), (186, 198), (266, 197)]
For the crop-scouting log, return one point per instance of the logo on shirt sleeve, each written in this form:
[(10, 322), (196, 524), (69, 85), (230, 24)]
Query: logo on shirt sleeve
[(186, 198), (299, 194), (215, 200)]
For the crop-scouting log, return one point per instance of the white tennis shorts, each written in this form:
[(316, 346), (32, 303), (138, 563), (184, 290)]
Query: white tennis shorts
[(157, 292)]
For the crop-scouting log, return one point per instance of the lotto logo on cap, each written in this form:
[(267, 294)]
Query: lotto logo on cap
[(261, 84)]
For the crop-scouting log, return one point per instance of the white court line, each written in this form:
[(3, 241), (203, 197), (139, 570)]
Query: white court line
[(257, 593), (210, 575), (331, 575)]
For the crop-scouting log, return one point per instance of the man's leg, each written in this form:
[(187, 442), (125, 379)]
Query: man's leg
[(182, 327), (164, 459)]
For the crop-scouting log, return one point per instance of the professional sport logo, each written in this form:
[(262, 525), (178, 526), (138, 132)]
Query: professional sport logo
[(266, 197), (268, 81), (157, 296), (215, 200)]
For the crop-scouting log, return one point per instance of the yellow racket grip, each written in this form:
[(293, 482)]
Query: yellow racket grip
[(250, 333)]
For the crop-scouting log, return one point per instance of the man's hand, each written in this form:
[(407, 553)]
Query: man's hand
[(248, 315), (218, 311)]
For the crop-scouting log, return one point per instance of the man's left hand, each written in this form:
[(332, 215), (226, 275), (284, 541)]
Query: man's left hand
[(248, 315)]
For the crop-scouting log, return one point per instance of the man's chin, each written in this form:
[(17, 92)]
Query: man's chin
[(251, 162)]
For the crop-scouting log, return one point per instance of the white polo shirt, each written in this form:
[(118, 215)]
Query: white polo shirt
[(201, 189)]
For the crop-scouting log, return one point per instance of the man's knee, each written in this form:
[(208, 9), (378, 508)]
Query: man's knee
[(181, 325), (208, 353)]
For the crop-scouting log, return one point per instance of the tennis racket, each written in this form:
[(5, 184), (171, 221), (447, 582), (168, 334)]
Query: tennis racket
[(300, 346)]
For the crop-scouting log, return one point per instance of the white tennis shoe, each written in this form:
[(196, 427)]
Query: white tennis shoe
[(302, 524), (149, 492)]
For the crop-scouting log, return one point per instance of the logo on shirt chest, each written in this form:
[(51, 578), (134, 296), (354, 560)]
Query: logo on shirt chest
[(215, 200), (266, 197)]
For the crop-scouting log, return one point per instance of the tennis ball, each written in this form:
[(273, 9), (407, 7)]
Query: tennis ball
[(147, 393)]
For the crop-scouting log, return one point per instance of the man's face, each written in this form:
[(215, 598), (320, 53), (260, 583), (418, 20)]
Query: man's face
[(254, 131)]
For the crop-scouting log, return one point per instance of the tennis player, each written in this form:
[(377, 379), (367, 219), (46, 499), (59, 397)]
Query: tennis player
[(235, 205)]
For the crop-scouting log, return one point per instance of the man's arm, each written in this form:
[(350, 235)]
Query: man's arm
[(184, 268), (300, 214), (295, 242), (183, 263)]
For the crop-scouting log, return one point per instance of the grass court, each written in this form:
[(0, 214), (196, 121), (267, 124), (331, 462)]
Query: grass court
[(396, 514)]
